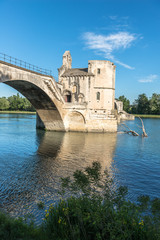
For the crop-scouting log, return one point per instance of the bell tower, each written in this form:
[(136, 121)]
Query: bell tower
[(67, 60)]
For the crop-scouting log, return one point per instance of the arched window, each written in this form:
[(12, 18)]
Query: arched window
[(68, 96), (98, 95)]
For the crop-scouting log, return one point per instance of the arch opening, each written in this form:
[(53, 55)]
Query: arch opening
[(67, 96), (48, 116), (76, 121)]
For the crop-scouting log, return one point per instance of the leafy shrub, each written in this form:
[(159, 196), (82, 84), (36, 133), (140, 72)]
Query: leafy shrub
[(40, 205), (96, 211), (13, 229)]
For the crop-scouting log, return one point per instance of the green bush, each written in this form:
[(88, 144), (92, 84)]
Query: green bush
[(97, 211), (13, 229), (94, 210)]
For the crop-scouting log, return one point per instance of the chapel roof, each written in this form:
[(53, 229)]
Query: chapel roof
[(77, 72)]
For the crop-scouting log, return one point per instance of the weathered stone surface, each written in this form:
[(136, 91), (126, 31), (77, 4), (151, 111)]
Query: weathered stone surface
[(82, 100), (121, 114)]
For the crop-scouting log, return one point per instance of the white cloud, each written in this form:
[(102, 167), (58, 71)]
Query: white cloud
[(113, 17), (148, 79), (123, 64), (107, 44)]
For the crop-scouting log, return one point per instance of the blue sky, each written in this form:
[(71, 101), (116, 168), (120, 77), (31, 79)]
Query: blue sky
[(126, 32)]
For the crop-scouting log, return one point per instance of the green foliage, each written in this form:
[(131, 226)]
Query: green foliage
[(4, 103), (143, 105), (126, 103), (40, 205), (15, 103), (94, 210), (13, 229), (155, 104)]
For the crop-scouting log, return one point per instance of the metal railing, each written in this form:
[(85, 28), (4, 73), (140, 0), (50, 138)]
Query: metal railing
[(20, 63)]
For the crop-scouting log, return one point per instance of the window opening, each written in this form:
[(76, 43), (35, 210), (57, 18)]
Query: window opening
[(98, 70), (98, 95), (68, 97)]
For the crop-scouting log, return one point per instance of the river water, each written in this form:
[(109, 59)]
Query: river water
[(33, 161)]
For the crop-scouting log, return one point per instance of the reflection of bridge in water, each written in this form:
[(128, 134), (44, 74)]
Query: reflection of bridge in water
[(71, 151), (58, 155)]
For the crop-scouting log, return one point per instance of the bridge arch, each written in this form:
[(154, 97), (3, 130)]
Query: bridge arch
[(75, 121), (48, 115), (40, 90)]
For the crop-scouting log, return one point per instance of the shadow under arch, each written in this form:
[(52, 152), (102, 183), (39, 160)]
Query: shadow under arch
[(47, 112)]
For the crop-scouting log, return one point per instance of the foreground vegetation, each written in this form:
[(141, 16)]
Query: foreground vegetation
[(94, 210)]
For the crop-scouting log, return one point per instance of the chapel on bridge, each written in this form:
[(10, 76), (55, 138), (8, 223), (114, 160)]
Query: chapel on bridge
[(93, 86)]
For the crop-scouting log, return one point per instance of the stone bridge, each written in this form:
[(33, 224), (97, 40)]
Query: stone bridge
[(44, 93)]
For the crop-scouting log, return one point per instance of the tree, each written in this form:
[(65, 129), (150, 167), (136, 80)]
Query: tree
[(15, 102), (4, 103), (27, 106), (155, 104), (133, 108), (126, 103), (20, 103), (142, 104)]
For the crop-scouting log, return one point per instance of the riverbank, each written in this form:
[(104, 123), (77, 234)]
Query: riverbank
[(146, 116), (16, 112), (27, 112)]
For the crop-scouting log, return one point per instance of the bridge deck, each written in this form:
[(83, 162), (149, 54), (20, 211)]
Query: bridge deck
[(20, 64), (25, 69)]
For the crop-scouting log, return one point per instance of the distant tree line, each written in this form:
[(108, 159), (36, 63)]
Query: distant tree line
[(142, 105), (15, 103)]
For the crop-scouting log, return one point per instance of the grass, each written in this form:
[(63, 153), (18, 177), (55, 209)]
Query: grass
[(16, 112), (146, 116)]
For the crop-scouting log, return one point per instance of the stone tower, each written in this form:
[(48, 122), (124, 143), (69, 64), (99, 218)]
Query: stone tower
[(102, 89), (89, 95), (66, 63), (67, 60)]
